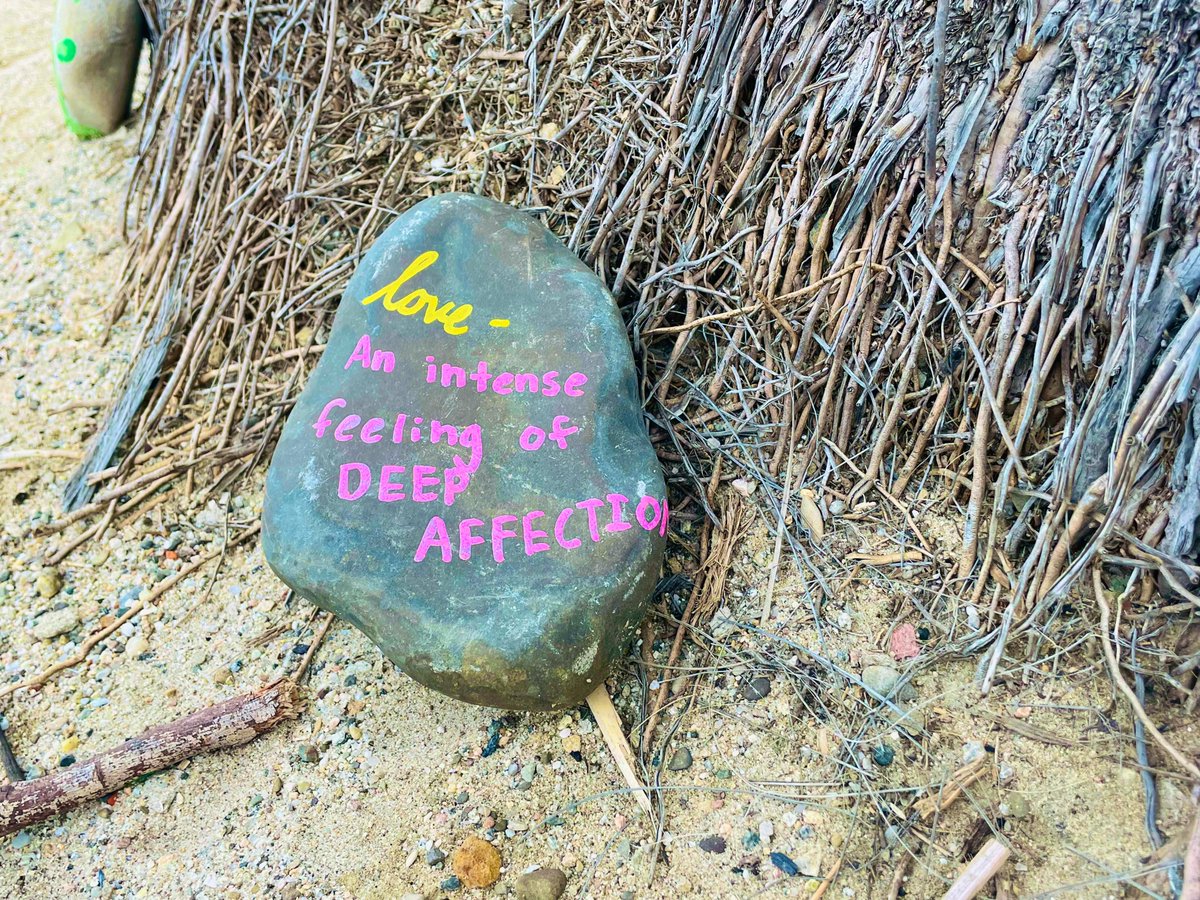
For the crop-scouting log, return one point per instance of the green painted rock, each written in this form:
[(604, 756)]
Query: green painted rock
[(467, 476), (96, 49)]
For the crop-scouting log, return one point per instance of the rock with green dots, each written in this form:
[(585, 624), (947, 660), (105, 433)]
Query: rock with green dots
[(96, 47)]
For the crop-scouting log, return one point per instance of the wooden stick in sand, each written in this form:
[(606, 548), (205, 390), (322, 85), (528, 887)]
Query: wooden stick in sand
[(979, 871), (610, 726), (228, 724)]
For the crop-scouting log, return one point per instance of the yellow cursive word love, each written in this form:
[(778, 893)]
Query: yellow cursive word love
[(452, 316)]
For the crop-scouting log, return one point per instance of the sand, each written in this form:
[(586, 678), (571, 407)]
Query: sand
[(378, 776)]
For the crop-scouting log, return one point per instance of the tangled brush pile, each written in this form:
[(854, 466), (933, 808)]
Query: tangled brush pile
[(917, 254)]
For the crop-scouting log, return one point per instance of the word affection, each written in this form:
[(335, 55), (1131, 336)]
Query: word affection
[(650, 515)]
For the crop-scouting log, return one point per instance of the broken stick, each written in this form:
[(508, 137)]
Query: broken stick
[(979, 871), (228, 724), (610, 726)]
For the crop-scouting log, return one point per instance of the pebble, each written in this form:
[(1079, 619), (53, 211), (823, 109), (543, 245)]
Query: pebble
[(681, 759), (434, 857), (222, 675), (880, 679), (572, 743), (49, 583), (21, 841), (723, 624), (50, 625), (541, 884), (453, 883), (784, 864), (712, 844), (476, 863), (883, 755), (972, 750), (766, 830), (1015, 806), (136, 646), (757, 688)]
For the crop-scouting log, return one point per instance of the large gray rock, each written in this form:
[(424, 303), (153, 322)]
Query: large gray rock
[(508, 563)]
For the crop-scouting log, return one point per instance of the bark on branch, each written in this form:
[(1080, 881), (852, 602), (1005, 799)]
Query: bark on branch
[(228, 724)]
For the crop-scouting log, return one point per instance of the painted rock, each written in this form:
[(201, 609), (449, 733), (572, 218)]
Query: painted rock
[(467, 476), (96, 49)]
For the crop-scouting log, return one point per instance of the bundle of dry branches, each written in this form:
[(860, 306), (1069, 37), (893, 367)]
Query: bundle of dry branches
[(950, 253)]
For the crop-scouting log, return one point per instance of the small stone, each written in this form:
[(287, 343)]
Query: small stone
[(136, 646), (541, 884), (723, 625), (434, 857), (50, 625), (681, 759), (354, 731), (712, 844), (766, 830), (883, 755), (49, 583), (309, 753), (222, 675), (784, 864), (529, 772), (1018, 806), (903, 643), (1006, 774), (744, 487), (572, 743), (880, 679), (756, 688), (21, 841), (476, 862), (972, 750), (453, 883), (70, 745)]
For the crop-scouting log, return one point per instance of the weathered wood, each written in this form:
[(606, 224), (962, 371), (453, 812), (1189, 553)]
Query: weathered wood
[(979, 871), (228, 724), (610, 726)]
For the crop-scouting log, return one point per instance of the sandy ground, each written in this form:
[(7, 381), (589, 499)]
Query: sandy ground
[(378, 776)]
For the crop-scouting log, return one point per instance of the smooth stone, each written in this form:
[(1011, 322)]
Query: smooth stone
[(757, 688), (50, 625), (49, 583), (880, 679), (532, 631), (681, 759), (541, 884)]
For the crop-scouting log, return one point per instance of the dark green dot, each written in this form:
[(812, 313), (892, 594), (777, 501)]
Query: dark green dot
[(65, 51)]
